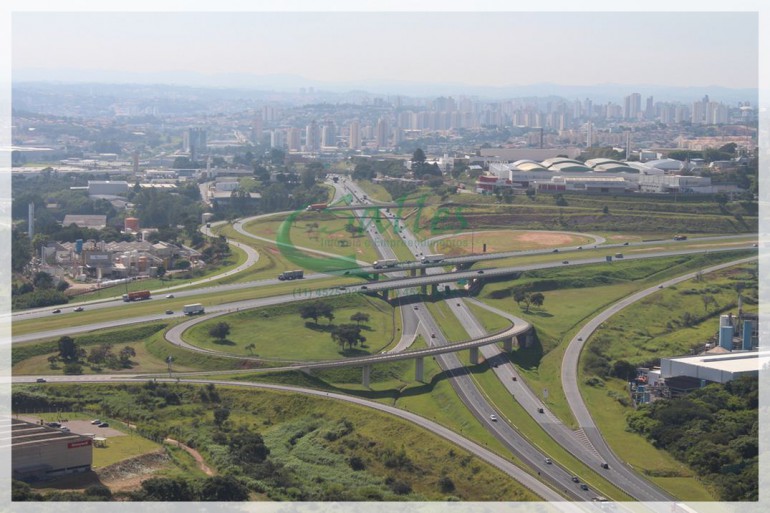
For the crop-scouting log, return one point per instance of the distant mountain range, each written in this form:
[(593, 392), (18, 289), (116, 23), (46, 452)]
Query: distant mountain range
[(598, 93)]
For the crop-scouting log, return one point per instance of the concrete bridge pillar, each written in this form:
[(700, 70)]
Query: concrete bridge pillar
[(434, 289), (474, 355), (508, 345), (418, 369), (413, 272), (385, 294), (423, 289), (423, 271), (367, 370)]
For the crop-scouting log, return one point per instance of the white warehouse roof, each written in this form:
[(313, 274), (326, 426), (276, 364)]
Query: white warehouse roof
[(719, 368)]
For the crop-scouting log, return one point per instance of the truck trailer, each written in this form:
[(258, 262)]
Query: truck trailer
[(193, 309), (136, 295), (431, 259), (316, 207), (388, 262), (292, 275)]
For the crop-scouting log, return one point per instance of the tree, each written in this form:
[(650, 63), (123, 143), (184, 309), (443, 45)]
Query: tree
[(359, 317), (537, 299), (309, 311), (519, 295), (250, 347), (126, 354), (418, 156), (68, 349), (223, 488), (326, 310), (167, 489), (221, 415), (349, 334), (220, 330)]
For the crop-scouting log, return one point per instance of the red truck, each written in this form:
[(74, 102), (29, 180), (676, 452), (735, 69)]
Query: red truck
[(316, 207), (136, 296)]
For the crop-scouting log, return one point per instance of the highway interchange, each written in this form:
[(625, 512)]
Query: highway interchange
[(587, 444)]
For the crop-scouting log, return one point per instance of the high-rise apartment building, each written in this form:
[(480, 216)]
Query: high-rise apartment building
[(194, 141), (355, 135), (312, 137), (632, 106), (294, 139), (383, 131)]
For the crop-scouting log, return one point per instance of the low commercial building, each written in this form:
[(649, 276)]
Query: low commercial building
[(40, 452), (715, 368)]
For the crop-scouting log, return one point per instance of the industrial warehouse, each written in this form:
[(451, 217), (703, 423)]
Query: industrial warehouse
[(41, 452)]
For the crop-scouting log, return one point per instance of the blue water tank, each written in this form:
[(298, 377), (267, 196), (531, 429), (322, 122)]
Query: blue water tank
[(79, 246), (726, 337), (747, 328)]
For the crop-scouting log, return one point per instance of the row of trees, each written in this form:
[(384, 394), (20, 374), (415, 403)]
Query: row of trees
[(74, 356)]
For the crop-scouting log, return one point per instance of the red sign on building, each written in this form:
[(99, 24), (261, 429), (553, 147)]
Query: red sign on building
[(81, 443)]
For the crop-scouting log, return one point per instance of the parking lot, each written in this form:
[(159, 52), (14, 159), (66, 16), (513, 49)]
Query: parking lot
[(82, 427)]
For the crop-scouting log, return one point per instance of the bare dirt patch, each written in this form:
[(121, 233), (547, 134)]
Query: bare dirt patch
[(128, 474), (507, 240)]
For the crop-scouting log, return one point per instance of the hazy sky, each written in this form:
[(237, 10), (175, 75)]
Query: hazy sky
[(513, 48)]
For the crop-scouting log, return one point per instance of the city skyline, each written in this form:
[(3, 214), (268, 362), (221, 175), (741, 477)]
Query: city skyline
[(477, 49)]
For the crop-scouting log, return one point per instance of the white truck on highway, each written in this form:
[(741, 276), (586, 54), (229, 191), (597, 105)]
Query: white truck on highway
[(193, 309), (431, 259), (388, 262)]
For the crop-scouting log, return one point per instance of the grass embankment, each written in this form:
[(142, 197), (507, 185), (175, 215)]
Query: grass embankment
[(328, 450), (375, 191), (278, 333), (582, 213)]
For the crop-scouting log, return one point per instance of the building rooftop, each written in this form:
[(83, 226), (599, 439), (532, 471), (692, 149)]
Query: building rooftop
[(737, 361)]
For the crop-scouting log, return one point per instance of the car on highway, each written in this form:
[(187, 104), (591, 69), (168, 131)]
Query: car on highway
[(341, 288), (584, 487), (169, 312), (103, 424), (432, 335), (493, 417), (169, 296), (540, 410), (515, 378), (416, 308), (548, 461), (575, 479), (58, 310), (565, 262), (479, 272), (40, 380), (625, 243), (555, 251), (79, 309), (580, 247), (364, 287), (96, 422), (605, 465)]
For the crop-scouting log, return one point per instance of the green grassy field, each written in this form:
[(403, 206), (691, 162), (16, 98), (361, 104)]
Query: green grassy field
[(299, 339)]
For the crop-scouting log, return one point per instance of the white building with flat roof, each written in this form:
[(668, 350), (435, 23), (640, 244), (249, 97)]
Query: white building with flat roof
[(717, 368)]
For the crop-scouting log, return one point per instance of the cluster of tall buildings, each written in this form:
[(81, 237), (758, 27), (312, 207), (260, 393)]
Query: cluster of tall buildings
[(384, 124)]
